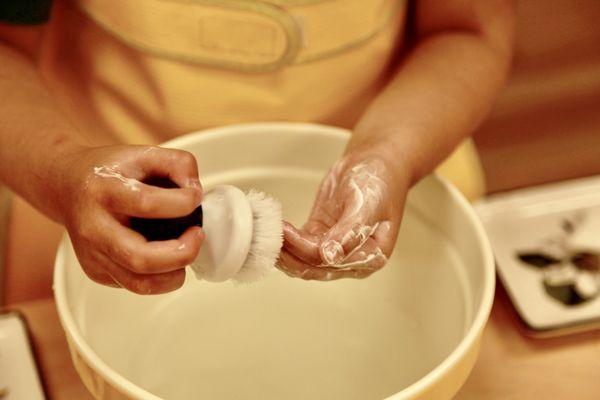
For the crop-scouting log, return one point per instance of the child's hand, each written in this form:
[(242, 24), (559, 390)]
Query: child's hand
[(353, 227), (102, 189)]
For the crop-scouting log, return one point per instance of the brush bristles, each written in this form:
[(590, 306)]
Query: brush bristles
[(267, 237)]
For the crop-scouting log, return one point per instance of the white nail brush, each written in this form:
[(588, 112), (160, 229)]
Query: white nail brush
[(244, 233)]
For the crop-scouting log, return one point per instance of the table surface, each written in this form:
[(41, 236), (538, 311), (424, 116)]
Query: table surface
[(511, 365)]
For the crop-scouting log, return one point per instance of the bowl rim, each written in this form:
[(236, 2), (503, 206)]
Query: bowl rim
[(123, 385)]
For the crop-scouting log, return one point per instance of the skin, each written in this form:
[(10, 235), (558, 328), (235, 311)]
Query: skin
[(77, 183), (441, 91), (349, 232)]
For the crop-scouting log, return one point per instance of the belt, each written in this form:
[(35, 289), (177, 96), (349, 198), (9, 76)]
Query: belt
[(243, 35)]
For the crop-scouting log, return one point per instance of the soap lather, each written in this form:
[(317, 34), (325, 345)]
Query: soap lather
[(244, 232)]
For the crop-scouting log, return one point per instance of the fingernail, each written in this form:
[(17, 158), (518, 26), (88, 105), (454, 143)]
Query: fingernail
[(194, 183), (332, 252), (349, 237)]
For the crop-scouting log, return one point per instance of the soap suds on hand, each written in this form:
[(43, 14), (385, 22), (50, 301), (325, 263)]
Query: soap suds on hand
[(111, 172), (367, 190)]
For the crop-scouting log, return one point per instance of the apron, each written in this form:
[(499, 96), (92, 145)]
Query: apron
[(144, 71)]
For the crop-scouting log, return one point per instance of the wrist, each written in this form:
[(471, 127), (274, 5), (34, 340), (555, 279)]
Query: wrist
[(58, 176), (398, 164)]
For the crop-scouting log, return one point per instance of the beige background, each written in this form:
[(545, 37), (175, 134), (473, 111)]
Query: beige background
[(545, 127)]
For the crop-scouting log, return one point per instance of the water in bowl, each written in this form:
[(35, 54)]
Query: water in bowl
[(285, 338)]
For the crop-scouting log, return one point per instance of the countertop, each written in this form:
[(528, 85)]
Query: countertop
[(511, 365)]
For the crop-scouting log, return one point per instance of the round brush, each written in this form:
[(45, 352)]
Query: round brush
[(244, 233)]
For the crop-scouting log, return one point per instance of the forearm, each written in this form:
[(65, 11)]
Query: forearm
[(442, 91), (34, 134)]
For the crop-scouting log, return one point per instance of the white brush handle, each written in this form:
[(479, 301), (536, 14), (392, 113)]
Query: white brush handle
[(227, 223)]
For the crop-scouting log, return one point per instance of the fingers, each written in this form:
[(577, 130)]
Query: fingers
[(136, 265), (303, 257), (146, 284), (106, 272), (297, 268), (386, 237), (367, 257), (114, 189), (131, 250), (302, 244), (348, 233), (146, 201), (343, 239), (122, 190), (360, 201), (351, 232), (178, 165), (96, 273)]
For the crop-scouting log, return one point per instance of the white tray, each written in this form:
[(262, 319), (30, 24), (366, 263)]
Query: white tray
[(19, 378), (558, 221)]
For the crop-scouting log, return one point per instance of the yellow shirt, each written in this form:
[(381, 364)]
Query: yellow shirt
[(143, 71), (148, 70)]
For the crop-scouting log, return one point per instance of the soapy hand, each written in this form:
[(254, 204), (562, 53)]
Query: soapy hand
[(102, 188), (354, 223)]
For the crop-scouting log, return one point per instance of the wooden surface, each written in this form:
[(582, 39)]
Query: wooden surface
[(510, 365)]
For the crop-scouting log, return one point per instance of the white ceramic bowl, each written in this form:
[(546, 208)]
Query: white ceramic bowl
[(412, 330)]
